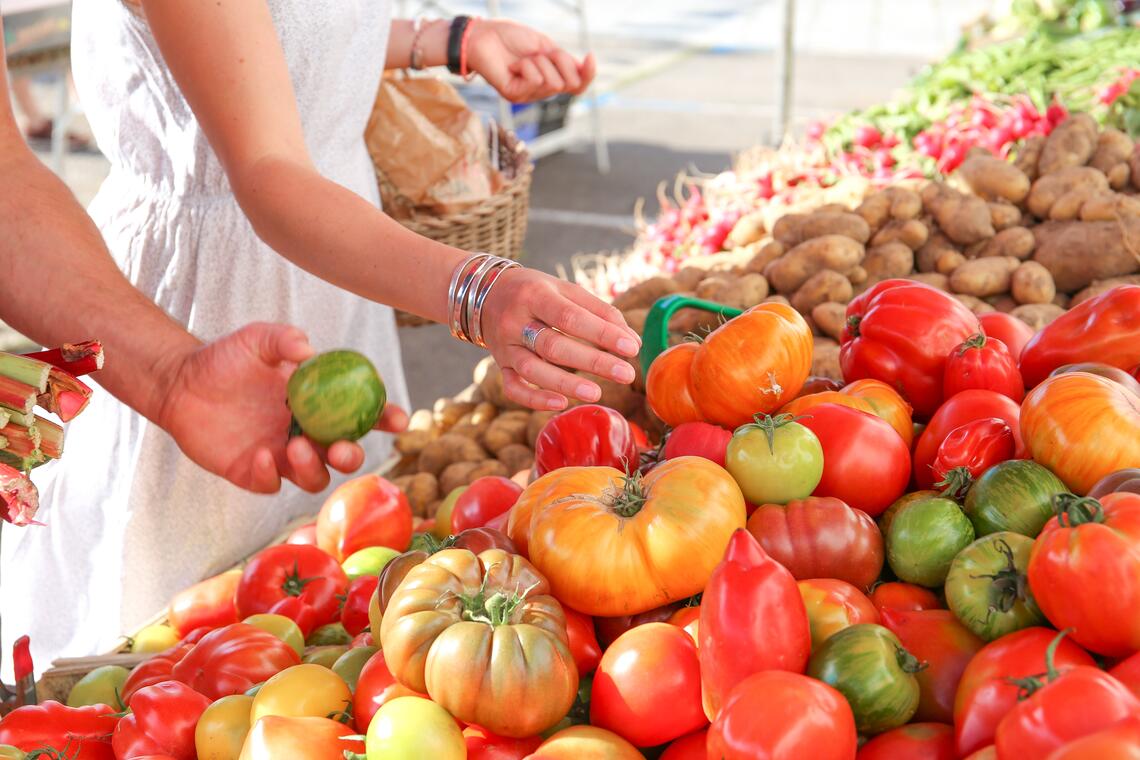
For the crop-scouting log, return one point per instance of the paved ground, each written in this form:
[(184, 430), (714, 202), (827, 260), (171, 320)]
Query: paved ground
[(680, 89)]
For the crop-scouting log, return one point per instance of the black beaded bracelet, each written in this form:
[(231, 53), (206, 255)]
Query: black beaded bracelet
[(455, 43)]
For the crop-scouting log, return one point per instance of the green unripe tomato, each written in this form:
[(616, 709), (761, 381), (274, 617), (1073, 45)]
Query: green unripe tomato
[(775, 460)]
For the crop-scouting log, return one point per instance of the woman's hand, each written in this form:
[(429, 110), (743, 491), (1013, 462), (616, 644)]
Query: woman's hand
[(226, 409), (522, 64), (589, 335)]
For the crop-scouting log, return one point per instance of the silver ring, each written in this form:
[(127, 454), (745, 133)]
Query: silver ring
[(530, 334)]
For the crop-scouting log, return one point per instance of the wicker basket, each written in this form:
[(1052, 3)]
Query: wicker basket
[(496, 225)]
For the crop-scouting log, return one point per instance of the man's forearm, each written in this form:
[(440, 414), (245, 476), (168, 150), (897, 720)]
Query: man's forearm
[(58, 284)]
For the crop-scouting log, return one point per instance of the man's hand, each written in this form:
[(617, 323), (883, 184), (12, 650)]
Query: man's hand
[(226, 409), (522, 64)]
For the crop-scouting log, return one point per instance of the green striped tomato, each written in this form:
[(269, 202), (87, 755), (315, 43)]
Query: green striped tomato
[(336, 396)]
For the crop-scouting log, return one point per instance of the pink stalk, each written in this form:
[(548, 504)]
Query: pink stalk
[(67, 396), (76, 358)]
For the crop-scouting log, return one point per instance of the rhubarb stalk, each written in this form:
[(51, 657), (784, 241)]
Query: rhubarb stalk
[(67, 396), (76, 358), (19, 499), (22, 449), (24, 370), (17, 396), (51, 438)]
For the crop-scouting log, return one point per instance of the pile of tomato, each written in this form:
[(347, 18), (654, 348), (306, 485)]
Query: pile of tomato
[(938, 559)]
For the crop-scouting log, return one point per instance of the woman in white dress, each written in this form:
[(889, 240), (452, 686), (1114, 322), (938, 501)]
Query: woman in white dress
[(241, 190)]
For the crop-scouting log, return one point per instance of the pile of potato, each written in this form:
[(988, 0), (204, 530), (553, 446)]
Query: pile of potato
[(479, 433), (1031, 237)]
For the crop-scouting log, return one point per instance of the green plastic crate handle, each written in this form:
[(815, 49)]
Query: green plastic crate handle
[(656, 338)]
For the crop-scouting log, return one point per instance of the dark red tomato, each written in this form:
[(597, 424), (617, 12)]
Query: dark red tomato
[(206, 604), (354, 613), (588, 435), (583, 641), (485, 499), (963, 407), (479, 540), (901, 332), (698, 439), (232, 660), (897, 595), (609, 628), (306, 534), (986, 693), (859, 449), (161, 722), (483, 745), (938, 639), (691, 747), (1127, 671), (916, 741), (1115, 374), (803, 718), (985, 363), (291, 570), (647, 688), (820, 537), (1119, 742), (968, 451), (1010, 330), (83, 732), (816, 384), (1065, 707), (375, 686), (1127, 480)]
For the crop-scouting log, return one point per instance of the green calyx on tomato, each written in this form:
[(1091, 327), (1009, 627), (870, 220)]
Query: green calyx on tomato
[(956, 484), (768, 425), (1028, 685), (1073, 510), (632, 497), (987, 588), (294, 584), (495, 610)]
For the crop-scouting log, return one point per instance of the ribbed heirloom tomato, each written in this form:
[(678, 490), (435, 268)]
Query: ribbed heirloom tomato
[(615, 545), (483, 637), (668, 388), (586, 435), (363, 512), (161, 721), (232, 660)]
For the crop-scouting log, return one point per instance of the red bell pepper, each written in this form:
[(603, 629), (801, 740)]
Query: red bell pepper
[(589, 435), (76, 733), (983, 362), (957, 411), (901, 332), (1103, 329), (161, 722), (1062, 707), (234, 659), (354, 613), (970, 450), (752, 619)]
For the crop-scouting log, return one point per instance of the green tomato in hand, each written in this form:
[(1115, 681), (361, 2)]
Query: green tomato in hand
[(775, 460)]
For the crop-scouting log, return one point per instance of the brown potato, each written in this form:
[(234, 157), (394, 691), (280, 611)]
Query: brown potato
[(1101, 286), (1071, 143), (412, 442), (1004, 215), (1108, 207), (456, 475), (1062, 300), (422, 490), (489, 378), (516, 457), (933, 279), (687, 278), (747, 230), (836, 252), (1134, 166), (1003, 303), (949, 261), (964, 219), (635, 318), (912, 233), (994, 179), (767, 253), (926, 257), (488, 468), (1017, 242), (976, 305), (820, 223), (449, 448), (821, 287), (1037, 315), (786, 230), (984, 277), (1032, 283), (508, 428), (1028, 156), (888, 261), (449, 411), (1049, 188), (1119, 176), (825, 359), (1113, 147), (830, 318), (1079, 253), (645, 294), (535, 425)]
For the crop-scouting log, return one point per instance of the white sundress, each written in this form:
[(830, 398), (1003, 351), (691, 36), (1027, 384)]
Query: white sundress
[(130, 520)]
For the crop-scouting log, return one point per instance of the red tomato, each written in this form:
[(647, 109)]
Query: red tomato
[(938, 639), (968, 451), (640, 437), (82, 732), (375, 686), (802, 718), (1064, 707), (897, 595), (647, 688), (306, 534), (154, 670), (363, 640), (483, 745), (582, 640), (859, 448), (691, 747), (586, 436), (985, 363), (363, 512), (485, 499), (916, 741), (354, 613), (901, 332), (1010, 330), (232, 660), (207, 604), (301, 612), (986, 693), (1127, 671), (1119, 742), (752, 619), (963, 407), (162, 721), (609, 628), (698, 439), (291, 570), (1084, 571), (688, 620)]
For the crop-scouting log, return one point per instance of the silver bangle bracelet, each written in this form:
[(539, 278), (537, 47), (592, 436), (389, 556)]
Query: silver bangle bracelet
[(454, 303), (467, 294), (477, 322)]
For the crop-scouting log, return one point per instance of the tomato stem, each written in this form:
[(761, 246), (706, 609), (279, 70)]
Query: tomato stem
[(1009, 585), (632, 497), (908, 662), (294, 584), (768, 425), (1073, 510), (853, 325), (956, 483), (977, 340)]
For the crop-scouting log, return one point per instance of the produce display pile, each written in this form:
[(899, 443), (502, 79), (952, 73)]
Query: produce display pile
[(934, 557)]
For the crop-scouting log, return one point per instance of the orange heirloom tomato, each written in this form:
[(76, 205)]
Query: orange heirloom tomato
[(302, 691), (615, 545), (274, 737), (886, 403), (753, 364), (483, 637), (581, 742), (1082, 427), (799, 406), (668, 388), (222, 728)]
